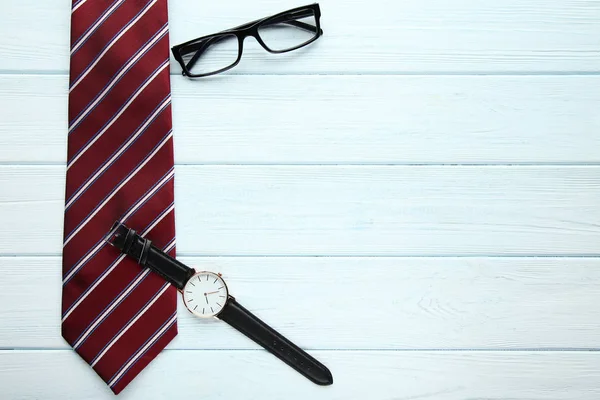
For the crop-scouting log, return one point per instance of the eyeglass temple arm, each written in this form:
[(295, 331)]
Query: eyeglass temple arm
[(200, 48), (290, 19)]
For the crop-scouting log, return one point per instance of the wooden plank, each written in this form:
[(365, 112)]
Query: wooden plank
[(340, 119), (357, 375), (383, 37), (356, 303), (34, 125), (342, 210)]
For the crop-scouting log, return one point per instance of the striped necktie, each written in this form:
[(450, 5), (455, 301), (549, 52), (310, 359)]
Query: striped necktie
[(116, 315)]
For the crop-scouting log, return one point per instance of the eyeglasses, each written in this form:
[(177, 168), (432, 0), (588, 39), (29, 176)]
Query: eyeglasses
[(280, 33)]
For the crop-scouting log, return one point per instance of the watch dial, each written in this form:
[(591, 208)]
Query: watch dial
[(205, 294)]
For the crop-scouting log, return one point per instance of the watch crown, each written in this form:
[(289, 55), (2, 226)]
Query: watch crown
[(219, 274)]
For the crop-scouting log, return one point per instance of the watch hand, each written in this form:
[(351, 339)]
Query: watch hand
[(206, 297), (213, 292)]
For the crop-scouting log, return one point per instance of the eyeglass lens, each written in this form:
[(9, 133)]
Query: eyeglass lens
[(289, 31), (280, 33), (212, 54)]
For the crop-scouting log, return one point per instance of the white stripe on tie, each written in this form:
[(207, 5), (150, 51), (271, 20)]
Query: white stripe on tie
[(77, 267), (94, 27), (141, 351), (171, 208), (115, 117), (111, 44), (109, 309), (126, 328), (118, 153), (133, 209), (108, 271), (76, 6), (112, 194), (116, 78)]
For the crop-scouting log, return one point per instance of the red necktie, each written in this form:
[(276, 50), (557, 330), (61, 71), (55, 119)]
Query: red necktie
[(116, 315)]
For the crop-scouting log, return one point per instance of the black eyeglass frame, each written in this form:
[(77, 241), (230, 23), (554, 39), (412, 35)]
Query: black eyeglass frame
[(198, 45)]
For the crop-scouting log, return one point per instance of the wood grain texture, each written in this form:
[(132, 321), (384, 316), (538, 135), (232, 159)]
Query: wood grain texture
[(342, 210), (357, 375), (355, 303), (340, 119), (382, 36), (369, 122)]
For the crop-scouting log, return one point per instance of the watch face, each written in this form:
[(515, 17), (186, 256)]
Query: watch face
[(205, 294)]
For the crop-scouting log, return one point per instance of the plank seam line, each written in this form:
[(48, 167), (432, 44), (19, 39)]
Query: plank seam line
[(345, 164), (64, 73), (440, 350), (321, 165), (424, 256)]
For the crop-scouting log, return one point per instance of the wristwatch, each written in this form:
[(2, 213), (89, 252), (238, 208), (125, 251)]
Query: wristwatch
[(205, 295)]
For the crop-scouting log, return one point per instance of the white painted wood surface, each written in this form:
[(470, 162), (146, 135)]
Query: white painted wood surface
[(379, 36), (399, 303), (429, 227), (360, 119), (359, 375), (344, 210)]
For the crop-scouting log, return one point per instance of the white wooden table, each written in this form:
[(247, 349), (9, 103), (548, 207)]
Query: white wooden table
[(415, 199)]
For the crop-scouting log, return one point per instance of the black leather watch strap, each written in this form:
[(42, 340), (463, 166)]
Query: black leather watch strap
[(247, 323), (131, 243)]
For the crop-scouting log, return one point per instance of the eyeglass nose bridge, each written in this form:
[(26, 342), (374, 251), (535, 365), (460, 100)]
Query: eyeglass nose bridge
[(253, 32)]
